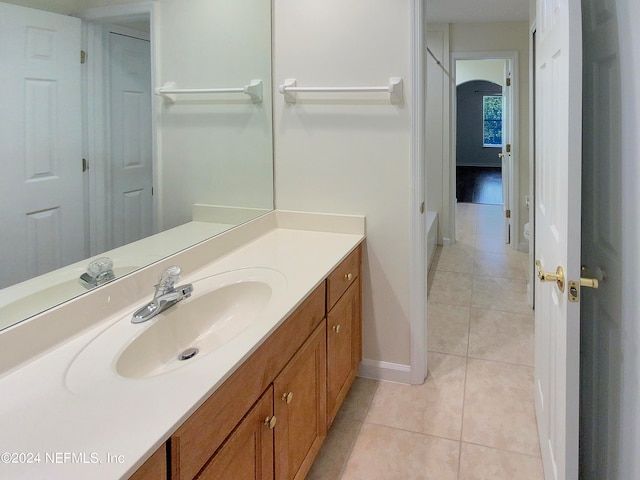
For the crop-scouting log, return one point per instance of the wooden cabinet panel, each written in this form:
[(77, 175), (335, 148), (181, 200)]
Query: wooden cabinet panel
[(300, 407), (342, 277), (344, 349), (155, 468), (247, 454), (204, 431)]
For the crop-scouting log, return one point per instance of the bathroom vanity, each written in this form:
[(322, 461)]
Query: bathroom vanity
[(275, 409), (256, 405)]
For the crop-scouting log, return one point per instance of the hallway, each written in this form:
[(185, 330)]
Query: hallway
[(474, 417)]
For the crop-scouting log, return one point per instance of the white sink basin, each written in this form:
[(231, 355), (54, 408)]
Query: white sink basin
[(221, 308)]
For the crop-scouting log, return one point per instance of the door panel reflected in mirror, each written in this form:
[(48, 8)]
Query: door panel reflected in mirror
[(97, 165)]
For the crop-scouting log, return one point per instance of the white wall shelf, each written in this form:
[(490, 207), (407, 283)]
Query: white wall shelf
[(169, 91), (290, 89)]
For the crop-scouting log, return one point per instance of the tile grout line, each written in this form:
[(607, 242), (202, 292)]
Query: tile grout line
[(399, 429), (355, 438), (464, 398), (489, 447)]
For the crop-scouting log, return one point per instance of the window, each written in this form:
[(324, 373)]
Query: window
[(492, 120)]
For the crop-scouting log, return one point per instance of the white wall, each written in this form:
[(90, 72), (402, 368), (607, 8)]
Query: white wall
[(214, 149), (484, 37), (59, 6), (351, 153), (491, 70), (628, 11)]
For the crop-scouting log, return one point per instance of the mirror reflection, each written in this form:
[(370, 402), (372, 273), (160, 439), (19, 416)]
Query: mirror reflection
[(102, 176)]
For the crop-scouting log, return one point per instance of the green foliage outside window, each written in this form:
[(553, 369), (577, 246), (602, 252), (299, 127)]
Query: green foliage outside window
[(492, 120)]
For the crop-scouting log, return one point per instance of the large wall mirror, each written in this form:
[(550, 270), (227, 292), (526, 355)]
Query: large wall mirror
[(102, 175)]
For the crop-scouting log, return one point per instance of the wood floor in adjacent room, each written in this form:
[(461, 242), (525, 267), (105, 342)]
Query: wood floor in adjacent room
[(473, 419), (479, 185)]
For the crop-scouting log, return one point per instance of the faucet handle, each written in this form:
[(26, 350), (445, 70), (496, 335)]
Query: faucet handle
[(99, 265), (168, 278)]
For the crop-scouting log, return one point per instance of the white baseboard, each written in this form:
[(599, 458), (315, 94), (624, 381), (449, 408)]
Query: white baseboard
[(447, 242), (390, 372), (524, 246)]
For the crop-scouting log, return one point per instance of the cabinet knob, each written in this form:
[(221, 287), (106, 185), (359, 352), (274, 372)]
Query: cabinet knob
[(348, 277), (270, 422), (287, 397), (336, 328)]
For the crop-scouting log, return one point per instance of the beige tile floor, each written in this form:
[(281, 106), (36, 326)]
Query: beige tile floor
[(473, 418)]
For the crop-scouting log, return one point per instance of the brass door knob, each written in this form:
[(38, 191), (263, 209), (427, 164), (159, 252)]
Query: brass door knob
[(287, 397), (557, 277), (270, 422), (336, 328), (348, 277), (587, 280)]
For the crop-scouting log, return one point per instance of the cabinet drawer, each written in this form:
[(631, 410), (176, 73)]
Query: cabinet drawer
[(344, 275)]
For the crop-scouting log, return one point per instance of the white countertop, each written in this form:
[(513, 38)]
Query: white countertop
[(107, 430)]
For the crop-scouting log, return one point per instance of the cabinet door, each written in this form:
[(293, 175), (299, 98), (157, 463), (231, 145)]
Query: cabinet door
[(343, 348), (247, 454), (300, 406), (155, 468)]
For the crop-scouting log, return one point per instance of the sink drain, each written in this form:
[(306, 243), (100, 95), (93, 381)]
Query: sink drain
[(188, 353)]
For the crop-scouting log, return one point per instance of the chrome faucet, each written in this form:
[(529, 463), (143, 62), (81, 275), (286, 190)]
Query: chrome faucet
[(99, 271), (166, 295)]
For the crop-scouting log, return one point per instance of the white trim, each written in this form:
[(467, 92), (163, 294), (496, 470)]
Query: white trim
[(514, 192), (113, 13), (418, 266), (442, 54), (95, 136), (390, 372), (447, 242), (531, 284)]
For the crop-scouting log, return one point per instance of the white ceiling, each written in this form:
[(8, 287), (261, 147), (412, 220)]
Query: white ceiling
[(463, 11)]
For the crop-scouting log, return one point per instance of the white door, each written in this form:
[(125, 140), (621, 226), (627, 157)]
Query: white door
[(602, 321), (131, 151), (41, 189), (558, 205)]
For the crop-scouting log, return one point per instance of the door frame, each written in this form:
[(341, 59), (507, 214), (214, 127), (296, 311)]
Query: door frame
[(530, 271), (514, 191), (97, 23)]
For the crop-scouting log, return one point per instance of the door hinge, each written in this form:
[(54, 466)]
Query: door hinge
[(508, 81), (508, 148), (83, 57), (85, 165), (507, 213), (152, 191), (422, 207)]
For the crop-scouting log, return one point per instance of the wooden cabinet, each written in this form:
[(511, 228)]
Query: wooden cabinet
[(301, 408), (296, 381), (344, 349), (247, 454), (155, 468), (203, 432)]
